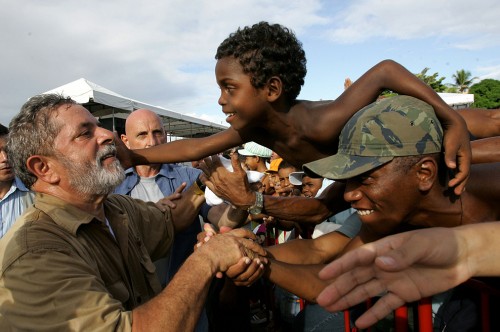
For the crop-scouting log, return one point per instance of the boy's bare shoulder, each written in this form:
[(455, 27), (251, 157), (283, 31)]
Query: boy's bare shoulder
[(317, 119)]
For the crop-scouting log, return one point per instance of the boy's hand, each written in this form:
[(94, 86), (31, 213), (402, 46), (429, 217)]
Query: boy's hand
[(123, 153), (457, 149)]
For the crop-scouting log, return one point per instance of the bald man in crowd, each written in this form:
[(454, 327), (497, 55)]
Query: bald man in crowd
[(163, 184)]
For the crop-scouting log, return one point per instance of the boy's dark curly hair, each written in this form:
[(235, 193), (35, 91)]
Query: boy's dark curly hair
[(265, 50)]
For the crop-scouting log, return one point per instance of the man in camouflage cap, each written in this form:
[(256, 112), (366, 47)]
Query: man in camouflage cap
[(390, 159), (392, 127)]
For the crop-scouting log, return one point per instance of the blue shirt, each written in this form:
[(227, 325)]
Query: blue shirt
[(170, 177), (13, 204)]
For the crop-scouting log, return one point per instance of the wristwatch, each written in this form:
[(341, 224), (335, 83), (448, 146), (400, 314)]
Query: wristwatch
[(257, 207), (199, 187)]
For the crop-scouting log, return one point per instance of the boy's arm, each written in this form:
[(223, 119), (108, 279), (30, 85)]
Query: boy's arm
[(481, 122), (179, 151), (486, 150), (391, 75)]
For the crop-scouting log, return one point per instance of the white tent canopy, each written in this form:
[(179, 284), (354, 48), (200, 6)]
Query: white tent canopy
[(106, 104)]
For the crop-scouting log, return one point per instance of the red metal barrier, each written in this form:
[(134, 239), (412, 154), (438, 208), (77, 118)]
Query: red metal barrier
[(424, 310), (425, 315)]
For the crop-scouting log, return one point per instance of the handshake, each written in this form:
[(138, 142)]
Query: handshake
[(236, 253)]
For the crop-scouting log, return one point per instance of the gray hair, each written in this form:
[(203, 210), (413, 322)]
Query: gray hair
[(33, 132)]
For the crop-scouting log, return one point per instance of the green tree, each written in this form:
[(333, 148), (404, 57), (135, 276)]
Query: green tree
[(451, 88), (463, 80), (486, 94), (432, 80)]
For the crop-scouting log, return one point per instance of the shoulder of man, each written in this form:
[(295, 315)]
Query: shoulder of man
[(34, 231), (130, 181), (180, 172)]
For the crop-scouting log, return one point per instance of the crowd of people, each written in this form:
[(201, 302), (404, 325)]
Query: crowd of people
[(354, 198)]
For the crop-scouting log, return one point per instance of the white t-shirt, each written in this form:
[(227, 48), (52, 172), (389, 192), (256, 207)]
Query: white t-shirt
[(147, 189)]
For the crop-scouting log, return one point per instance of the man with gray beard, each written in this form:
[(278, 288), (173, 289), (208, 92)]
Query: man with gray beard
[(81, 258)]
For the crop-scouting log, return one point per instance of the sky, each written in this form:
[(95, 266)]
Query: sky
[(162, 52)]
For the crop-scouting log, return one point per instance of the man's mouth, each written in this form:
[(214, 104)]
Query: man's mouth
[(108, 152), (362, 212), (228, 115)]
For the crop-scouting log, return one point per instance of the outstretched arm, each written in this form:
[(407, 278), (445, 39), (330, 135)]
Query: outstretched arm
[(234, 187), (401, 266), (180, 150), (482, 122), (486, 150), (391, 75)]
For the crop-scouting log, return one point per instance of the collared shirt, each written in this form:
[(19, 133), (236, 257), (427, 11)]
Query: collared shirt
[(170, 177), (63, 270), (13, 204)]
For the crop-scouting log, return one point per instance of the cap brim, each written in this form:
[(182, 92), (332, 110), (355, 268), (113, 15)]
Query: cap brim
[(244, 152), (295, 178), (340, 167)]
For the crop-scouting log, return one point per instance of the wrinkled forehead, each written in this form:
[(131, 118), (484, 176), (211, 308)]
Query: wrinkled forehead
[(143, 121), (73, 118)]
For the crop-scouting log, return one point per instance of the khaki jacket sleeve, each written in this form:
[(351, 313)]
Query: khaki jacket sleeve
[(69, 296)]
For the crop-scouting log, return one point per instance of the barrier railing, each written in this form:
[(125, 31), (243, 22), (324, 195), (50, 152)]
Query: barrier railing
[(424, 321)]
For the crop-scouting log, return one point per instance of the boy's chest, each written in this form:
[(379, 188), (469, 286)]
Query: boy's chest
[(299, 151)]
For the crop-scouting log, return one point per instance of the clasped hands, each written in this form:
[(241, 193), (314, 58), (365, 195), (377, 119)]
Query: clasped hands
[(250, 266)]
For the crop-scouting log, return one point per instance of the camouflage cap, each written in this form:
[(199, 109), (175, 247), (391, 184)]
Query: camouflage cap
[(388, 128)]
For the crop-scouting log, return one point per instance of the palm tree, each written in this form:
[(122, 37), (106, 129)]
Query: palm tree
[(463, 80)]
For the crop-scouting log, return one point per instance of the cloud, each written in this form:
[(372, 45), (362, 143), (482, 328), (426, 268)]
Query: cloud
[(468, 25), (492, 72), (159, 52)]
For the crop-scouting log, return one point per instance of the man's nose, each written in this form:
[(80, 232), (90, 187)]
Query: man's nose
[(152, 140), (104, 136), (3, 156), (352, 192)]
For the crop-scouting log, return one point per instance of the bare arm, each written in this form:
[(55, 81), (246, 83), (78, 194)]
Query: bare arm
[(486, 150), (180, 150), (482, 122), (301, 280), (391, 75), (310, 251), (234, 187), (227, 215)]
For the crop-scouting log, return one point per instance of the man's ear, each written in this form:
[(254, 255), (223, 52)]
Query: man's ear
[(427, 173), (275, 88), (42, 168), (124, 139)]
